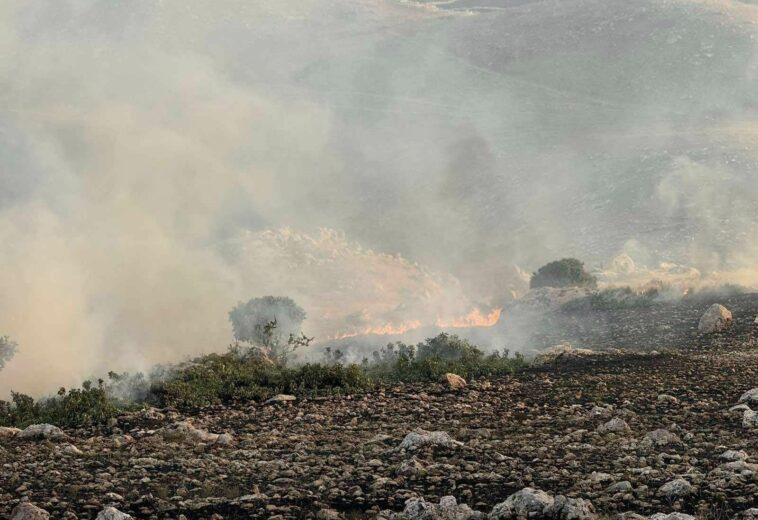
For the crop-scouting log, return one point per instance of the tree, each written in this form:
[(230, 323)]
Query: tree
[(567, 272), (8, 349), (265, 322)]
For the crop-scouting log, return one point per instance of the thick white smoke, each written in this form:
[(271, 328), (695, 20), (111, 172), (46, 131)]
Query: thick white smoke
[(163, 160)]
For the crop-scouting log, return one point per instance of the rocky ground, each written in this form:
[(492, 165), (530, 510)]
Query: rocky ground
[(627, 432)]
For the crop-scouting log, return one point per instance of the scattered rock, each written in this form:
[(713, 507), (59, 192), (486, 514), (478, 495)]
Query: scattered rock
[(750, 419), (716, 319)]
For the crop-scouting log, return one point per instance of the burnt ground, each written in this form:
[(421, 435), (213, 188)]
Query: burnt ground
[(537, 428)]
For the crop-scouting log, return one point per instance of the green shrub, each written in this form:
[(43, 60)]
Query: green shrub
[(429, 360), (567, 272), (77, 407)]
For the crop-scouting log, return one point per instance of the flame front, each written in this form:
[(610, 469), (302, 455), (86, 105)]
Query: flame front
[(388, 329), (474, 318)]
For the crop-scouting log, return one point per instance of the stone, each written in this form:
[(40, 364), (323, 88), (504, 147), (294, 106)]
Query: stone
[(716, 319), (421, 438), (27, 511), (186, 432), (676, 488), (564, 508), (750, 419), (280, 399), (528, 502), (111, 513), (453, 381), (615, 425), (560, 353), (41, 431), (750, 397), (447, 509), (7, 432), (660, 437)]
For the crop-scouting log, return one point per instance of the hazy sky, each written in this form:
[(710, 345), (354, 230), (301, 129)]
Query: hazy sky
[(379, 161)]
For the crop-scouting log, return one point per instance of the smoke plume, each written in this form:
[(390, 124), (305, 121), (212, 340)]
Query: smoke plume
[(384, 163)]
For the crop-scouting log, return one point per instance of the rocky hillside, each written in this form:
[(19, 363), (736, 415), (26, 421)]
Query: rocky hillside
[(581, 437)]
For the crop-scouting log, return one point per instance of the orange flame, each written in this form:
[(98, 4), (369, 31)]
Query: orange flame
[(474, 318), (388, 329)]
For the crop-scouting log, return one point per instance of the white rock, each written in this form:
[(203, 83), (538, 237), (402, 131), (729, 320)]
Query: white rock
[(716, 319), (528, 502), (41, 431), (559, 353), (671, 516), (111, 513), (186, 432), (676, 488), (27, 511), (660, 437), (421, 438), (750, 397), (281, 398), (447, 509), (616, 425), (733, 455), (564, 508), (750, 419), (665, 398)]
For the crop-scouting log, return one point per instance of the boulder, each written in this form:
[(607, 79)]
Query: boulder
[(7, 433), (676, 488), (750, 397), (186, 432), (111, 513), (421, 438), (528, 502), (616, 425), (660, 437), (671, 516), (716, 319), (453, 381), (41, 431), (447, 509), (561, 353), (733, 455), (27, 511), (750, 419), (571, 509)]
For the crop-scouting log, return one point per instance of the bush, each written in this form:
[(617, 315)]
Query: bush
[(568, 272), (224, 378), (429, 360), (78, 407), (264, 322)]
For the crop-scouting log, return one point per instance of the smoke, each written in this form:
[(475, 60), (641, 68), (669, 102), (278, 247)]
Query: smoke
[(383, 163)]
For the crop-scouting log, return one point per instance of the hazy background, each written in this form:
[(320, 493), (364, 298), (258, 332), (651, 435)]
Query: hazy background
[(384, 163)]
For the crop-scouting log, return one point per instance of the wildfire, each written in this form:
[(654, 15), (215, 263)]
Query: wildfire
[(474, 318), (388, 329)]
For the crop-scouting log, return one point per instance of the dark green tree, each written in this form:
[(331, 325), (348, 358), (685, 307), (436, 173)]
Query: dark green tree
[(567, 272)]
